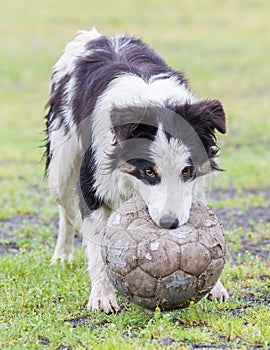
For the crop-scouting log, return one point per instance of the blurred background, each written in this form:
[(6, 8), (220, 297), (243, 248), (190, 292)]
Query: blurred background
[(222, 46)]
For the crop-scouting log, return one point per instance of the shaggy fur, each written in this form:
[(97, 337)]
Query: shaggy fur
[(122, 123)]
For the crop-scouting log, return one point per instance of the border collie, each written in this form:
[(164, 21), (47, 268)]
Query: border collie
[(122, 123)]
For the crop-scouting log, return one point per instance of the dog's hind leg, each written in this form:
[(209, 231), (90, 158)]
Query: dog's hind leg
[(64, 246), (62, 176), (218, 292)]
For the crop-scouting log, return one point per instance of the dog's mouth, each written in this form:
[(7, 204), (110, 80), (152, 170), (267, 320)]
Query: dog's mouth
[(146, 211), (167, 227)]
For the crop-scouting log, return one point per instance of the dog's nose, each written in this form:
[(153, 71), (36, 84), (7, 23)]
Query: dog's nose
[(168, 221)]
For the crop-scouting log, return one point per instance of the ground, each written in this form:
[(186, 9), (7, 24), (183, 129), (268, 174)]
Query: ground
[(223, 47), (63, 290), (245, 219)]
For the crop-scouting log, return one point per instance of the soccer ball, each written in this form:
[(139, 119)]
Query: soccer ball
[(155, 267)]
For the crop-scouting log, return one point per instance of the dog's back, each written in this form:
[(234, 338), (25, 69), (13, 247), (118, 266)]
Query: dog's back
[(90, 63)]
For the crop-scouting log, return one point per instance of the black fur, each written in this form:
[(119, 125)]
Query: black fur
[(56, 103), (88, 199), (98, 68), (193, 124), (138, 170), (205, 117)]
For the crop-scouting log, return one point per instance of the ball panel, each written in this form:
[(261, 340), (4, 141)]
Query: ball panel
[(133, 206), (212, 236), (209, 219), (158, 258), (198, 214), (122, 218), (116, 280), (145, 302), (127, 212), (176, 290), (210, 276), (218, 251), (181, 235), (120, 255), (195, 258), (139, 283), (141, 229)]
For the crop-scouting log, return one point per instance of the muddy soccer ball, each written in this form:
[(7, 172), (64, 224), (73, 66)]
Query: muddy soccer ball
[(166, 268)]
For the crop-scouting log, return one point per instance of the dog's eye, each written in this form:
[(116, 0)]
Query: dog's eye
[(149, 172), (188, 171)]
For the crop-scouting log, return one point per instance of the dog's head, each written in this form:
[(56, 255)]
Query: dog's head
[(164, 151)]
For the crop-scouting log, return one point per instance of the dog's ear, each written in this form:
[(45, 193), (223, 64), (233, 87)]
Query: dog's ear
[(131, 122), (123, 122), (210, 113), (124, 132)]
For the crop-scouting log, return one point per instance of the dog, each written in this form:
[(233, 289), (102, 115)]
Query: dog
[(122, 123)]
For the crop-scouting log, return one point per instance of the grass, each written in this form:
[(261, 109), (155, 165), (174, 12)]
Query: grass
[(47, 306), (224, 49)]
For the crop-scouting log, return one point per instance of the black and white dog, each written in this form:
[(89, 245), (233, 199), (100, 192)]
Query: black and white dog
[(120, 123)]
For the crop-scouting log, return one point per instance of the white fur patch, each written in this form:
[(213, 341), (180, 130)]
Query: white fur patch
[(171, 196), (73, 50), (131, 90), (124, 91)]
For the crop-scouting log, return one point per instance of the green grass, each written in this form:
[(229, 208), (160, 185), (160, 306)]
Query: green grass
[(223, 46), (48, 304)]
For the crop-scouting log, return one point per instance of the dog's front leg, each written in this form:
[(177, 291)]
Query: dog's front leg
[(102, 295)]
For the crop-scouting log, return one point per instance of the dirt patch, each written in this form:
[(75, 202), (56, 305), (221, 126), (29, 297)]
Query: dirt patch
[(9, 241), (86, 322), (221, 195), (43, 340), (248, 218)]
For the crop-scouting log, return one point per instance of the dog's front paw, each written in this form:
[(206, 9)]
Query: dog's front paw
[(62, 257), (218, 292), (103, 299)]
